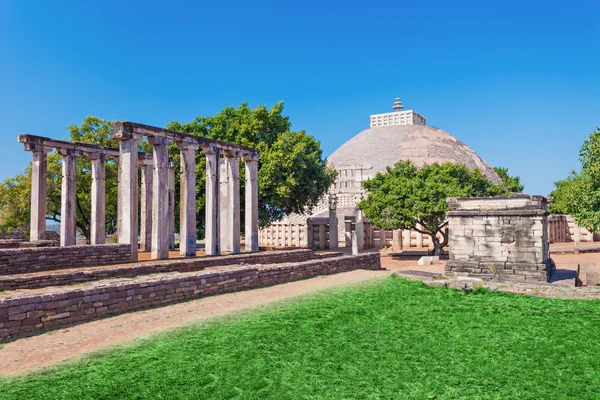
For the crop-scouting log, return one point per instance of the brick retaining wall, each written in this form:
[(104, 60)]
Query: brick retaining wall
[(28, 313), (57, 278), (20, 261)]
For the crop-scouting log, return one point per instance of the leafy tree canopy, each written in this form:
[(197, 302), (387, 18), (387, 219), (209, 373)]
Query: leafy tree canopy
[(579, 194), (512, 184), (292, 171), (407, 197)]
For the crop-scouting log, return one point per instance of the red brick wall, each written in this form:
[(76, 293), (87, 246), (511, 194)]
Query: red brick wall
[(27, 313)]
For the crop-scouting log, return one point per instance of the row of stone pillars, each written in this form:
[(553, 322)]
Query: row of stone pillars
[(39, 169), (222, 229)]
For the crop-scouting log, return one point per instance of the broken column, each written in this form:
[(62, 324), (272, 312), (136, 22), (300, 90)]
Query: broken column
[(211, 230), (98, 206), (251, 200), (187, 205), (160, 197), (333, 223), (232, 228), (68, 197), (146, 205), (127, 208)]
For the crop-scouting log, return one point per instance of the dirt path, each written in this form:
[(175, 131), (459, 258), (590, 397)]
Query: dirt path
[(52, 348)]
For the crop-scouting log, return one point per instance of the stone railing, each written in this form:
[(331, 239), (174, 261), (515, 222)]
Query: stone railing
[(311, 232), (563, 229)]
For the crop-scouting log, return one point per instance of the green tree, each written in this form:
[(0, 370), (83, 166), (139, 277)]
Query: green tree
[(407, 197), (512, 184), (566, 194), (584, 201), (292, 171)]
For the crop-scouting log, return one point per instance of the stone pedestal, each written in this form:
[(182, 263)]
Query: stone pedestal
[(68, 197), (160, 198), (187, 209), (98, 207), (499, 237), (251, 199), (212, 201)]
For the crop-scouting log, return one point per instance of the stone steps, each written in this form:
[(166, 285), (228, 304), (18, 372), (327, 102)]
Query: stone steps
[(67, 276), (27, 310)]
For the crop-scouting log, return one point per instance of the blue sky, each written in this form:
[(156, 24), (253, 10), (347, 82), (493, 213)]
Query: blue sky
[(518, 81)]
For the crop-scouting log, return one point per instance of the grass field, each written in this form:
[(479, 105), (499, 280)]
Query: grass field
[(386, 339)]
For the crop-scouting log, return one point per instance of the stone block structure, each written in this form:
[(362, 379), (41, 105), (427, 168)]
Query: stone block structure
[(505, 237)]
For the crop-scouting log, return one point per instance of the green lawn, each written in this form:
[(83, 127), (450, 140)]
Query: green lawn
[(385, 339)]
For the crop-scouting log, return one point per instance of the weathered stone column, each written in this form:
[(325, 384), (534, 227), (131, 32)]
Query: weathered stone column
[(39, 168), (232, 162), (160, 198), (224, 215), (146, 206), (251, 200), (98, 208), (171, 185), (360, 230), (127, 209), (333, 222), (68, 197), (211, 230), (187, 204)]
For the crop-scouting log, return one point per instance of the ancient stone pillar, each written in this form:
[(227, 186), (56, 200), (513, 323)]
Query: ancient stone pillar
[(171, 186), (146, 207), (251, 199), (98, 208), (360, 230), (127, 208), (39, 168), (396, 240), (224, 207), (232, 229), (68, 197), (333, 222), (187, 205), (160, 198), (211, 230)]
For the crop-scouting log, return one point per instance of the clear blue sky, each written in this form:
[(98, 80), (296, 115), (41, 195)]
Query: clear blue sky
[(518, 81)]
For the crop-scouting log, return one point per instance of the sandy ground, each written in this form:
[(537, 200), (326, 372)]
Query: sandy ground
[(55, 347)]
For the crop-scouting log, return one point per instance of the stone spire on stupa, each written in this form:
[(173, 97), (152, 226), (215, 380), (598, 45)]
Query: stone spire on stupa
[(398, 105)]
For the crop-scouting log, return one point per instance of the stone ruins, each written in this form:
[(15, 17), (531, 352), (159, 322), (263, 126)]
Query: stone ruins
[(505, 237), (157, 206)]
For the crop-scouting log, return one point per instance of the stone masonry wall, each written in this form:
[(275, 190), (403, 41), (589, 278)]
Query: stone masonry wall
[(56, 278), (20, 261), (499, 236), (27, 313)]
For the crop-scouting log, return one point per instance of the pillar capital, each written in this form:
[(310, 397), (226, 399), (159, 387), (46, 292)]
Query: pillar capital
[(210, 149), (159, 141), (69, 152), (187, 145), (249, 157), (124, 131), (227, 153), (95, 156)]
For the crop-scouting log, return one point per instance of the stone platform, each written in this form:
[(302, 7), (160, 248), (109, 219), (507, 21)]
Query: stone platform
[(23, 311)]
